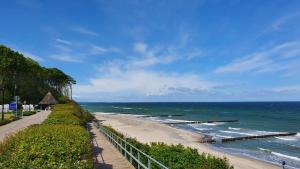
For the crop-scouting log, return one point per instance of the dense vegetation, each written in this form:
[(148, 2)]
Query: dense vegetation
[(22, 76), (177, 156), (58, 143)]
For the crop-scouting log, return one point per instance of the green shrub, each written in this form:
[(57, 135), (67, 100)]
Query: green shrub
[(177, 156), (70, 113), (47, 146), (63, 100), (29, 113)]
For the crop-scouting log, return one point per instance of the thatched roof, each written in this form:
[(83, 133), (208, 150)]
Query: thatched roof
[(48, 99)]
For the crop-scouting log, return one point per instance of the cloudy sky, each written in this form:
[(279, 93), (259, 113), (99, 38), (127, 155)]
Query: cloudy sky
[(163, 50)]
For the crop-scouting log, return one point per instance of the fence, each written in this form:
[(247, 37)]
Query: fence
[(135, 156)]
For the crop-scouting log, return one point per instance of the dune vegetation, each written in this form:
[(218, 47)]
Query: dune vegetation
[(176, 156)]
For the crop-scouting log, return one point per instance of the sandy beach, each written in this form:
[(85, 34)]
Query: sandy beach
[(147, 131)]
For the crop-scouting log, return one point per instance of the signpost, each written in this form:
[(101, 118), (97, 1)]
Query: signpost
[(14, 105)]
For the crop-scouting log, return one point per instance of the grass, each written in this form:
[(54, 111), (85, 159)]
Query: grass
[(60, 142), (8, 117)]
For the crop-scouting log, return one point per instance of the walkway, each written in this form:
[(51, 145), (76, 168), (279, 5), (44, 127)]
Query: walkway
[(106, 156), (18, 125)]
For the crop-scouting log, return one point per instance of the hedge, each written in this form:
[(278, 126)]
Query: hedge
[(45, 146), (29, 113), (177, 156), (70, 113), (60, 142)]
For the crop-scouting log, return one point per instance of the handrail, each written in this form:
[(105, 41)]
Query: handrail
[(122, 144)]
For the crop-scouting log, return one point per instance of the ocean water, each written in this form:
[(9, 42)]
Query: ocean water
[(254, 118)]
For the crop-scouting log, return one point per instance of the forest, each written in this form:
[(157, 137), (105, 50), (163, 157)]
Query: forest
[(24, 77)]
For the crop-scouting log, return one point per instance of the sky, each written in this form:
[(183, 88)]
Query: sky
[(162, 50)]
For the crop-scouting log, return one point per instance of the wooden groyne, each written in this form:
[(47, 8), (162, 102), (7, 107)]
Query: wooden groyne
[(195, 122), (224, 140)]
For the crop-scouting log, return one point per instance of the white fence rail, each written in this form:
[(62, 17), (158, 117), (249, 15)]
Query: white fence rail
[(135, 156)]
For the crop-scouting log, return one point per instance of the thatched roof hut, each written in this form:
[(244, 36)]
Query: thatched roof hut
[(48, 100)]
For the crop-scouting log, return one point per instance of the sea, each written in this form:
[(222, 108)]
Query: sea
[(254, 118)]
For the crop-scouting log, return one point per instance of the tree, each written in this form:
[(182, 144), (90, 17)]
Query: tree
[(24, 77)]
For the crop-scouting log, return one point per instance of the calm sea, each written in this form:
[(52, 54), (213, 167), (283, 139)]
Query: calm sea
[(255, 118)]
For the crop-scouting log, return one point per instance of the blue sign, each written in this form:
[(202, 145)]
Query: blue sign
[(12, 106)]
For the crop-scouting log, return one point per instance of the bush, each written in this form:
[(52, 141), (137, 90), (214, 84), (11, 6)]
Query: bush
[(177, 156), (70, 113), (63, 100), (47, 146), (29, 113)]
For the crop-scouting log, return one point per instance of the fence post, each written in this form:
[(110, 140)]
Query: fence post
[(149, 163), (138, 160), (125, 150), (131, 154)]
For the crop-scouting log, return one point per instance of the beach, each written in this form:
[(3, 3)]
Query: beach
[(147, 131)]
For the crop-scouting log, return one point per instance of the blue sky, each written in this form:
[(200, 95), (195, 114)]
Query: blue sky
[(163, 50)]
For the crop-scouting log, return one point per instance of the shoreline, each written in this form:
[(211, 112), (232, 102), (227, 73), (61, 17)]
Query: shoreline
[(147, 131)]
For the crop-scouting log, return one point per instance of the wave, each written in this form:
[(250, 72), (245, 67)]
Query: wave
[(105, 113), (235, 132), (223, 136), (126, 108), (264, 149), (115, 107), (213, 124), (232, 128), (270, 132), (298, 134), (287, 138), (286, 156)]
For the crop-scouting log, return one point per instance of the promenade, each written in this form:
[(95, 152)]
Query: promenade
[(106, 156)]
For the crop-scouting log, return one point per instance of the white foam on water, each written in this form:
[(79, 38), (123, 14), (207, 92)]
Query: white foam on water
[(287, 138), (105, 113), (264, 149), (298, 134), (209, 124), (232, 128), (223, 136), (116, 107), (286, 156), (268, 132), (126, 108), (176, 120), (235, 132)]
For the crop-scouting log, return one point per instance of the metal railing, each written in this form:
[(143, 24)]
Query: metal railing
[(135, 156)]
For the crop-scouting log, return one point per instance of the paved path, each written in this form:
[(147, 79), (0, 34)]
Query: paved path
[(18, 125), (106, 156)]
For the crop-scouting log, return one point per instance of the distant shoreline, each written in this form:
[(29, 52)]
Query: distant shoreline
[(147, 131)]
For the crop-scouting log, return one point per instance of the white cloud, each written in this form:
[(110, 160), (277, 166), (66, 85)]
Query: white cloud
[(140, 47), (32, 56), (276, 25), (97, 49), (83, 30), (62, 41), (143, 82), (276, 59), (66, 57), (150, 56), (29, 54)]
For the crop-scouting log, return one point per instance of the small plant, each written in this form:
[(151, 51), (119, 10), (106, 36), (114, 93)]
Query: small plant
[(29, 113)]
